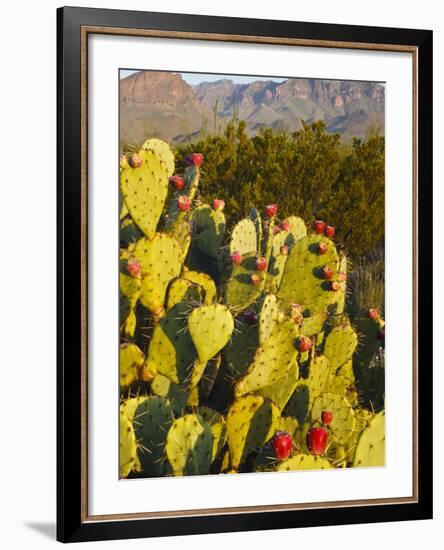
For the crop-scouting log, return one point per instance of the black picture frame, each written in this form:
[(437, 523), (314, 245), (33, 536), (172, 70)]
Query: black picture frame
[(72, 526)]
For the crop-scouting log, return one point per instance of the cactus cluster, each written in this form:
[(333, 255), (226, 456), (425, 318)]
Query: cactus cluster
[(236, 353)]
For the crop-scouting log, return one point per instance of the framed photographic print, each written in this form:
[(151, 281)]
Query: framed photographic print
[(244, 255)]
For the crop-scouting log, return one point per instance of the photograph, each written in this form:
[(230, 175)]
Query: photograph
[(251, 272)]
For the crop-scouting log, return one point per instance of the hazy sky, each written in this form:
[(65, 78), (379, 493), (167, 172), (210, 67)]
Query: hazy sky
[(195, 78)]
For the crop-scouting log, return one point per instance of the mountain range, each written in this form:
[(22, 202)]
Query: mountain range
[(162, 104)]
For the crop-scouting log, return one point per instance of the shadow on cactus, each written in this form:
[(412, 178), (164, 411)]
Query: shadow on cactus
[(237, 353)]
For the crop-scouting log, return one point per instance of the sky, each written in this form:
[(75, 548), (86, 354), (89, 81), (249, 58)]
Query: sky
[(197, 78)]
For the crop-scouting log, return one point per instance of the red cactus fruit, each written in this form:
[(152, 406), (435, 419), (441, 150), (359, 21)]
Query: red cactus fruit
[(218, 204), (318, 226), (282, 444), (373, 313), (317, 440), (327, 418), (133, 267), (328, 272), (261, 264), (322, 248), (334, 286), (136, 161), (285, 225), (177, 182), (304, 344), (271, 210), (255, 279), (329, 231), (183, 203), (236, 258), (283, 250), (194, 159), (250, 317)]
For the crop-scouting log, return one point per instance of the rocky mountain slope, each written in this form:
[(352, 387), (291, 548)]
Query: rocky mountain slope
[(163, 104)]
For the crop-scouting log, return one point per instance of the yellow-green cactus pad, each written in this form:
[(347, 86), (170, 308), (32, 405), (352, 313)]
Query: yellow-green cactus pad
[(160, 263), (277, 259), (171, 351), (129, 406), (183, 290), (303, 461), (303, 282), (181, 231), (251, 421), (313, 324), (128, 296), (272, 360), (205, 281), (240, 292), (340, 344), (244, 238), (208, 378), (151, 422), (131, 361), (210, 329), (268, 317), (240, 350), (189, 446), (144, 191), (163, 151), (288, 424), (297, 227), (370, 450), (177, 396), (128, 446), (281, 390), (344, 421)]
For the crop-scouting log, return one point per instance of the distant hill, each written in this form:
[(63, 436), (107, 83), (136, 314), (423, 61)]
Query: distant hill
[(164, 105)]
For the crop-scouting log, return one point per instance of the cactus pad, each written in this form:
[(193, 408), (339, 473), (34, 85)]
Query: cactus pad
[(208, 230), (268, 317), (240, 292), (277, 259), (163, 151), (210, 329), (370, 450), (281, 390), (343, 423), (183, 290), (205, 281), (251, 421), (189, 446), (160, 263), (296, 228), (272, 360), (152, 421), (144, 191), (303, 461), (128, 446), (131, 361), (218, 428), (302, 282), (244, 238), (177, 396), (340, 344)]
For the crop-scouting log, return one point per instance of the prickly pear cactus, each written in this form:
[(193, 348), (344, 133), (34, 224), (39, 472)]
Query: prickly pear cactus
[(231, 335)]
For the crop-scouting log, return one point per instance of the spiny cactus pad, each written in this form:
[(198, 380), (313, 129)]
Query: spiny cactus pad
[(128, 446), (177, 395), (205, 281), (171, 351), (302, 282), (251, 421), (255, 217), (218, 428), (304, 461), (151, 422), (244, 238), (210, 329), (183, 290), (208, 230), (277, 259), (272, 360), (240, 350), (160, 263), (268, 317), (340, 344), (296, 227), (131, 361), (281, 390), (240, 292), (163, 151), (189, 445), (370, 450), (343, 423), (144, 191)]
